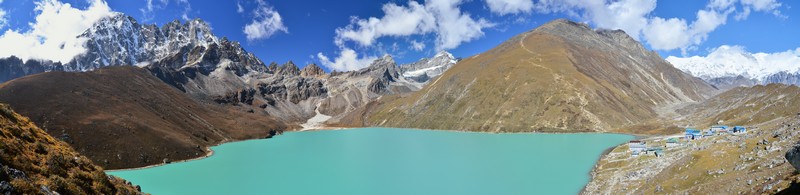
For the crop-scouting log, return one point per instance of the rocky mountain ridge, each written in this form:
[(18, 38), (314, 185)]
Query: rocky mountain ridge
[(728, 67), (189, 57)]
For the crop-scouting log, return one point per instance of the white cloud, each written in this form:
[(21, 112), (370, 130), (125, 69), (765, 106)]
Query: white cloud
[(762, 5), (666, 33), (442, 18), (3, 19), (504, 7), (416, 45), (53, 35), (266, 23), (674, 33), (736, 60), (150, 7), (239, 8), (634, 17), (397, 21), (348, 60), (187, 8), (455, 27)]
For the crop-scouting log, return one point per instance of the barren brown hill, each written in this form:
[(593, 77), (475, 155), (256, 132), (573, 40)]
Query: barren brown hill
[(33, 162), (123, 117), (562, 77)]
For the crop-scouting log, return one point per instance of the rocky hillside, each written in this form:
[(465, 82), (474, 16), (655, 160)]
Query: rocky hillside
[(562, 76), (752, 163), (123, 117), (730, 82), (745, 105), (33, 162)]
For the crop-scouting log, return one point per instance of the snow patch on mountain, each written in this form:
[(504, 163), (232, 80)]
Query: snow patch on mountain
[(425, 69)]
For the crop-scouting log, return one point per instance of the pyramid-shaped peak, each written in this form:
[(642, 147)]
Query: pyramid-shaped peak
[(444, 53), (386, 59)]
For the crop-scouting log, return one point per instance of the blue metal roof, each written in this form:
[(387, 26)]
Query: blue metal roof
[(692, 131)]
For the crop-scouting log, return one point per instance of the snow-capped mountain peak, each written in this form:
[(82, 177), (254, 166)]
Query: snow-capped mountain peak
[(732, 61), (121, 40), (732, 66), (425, 69)]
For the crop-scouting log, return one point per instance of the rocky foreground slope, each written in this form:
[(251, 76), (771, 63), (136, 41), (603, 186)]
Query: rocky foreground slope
[(123, 117), (33, 162), (561, 77), (751, 163)]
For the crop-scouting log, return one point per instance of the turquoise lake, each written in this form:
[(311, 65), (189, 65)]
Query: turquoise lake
[(386, 161)]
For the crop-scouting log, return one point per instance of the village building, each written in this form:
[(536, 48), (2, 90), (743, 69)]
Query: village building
[(658, 151), (720, 129), (637, 147), (693, 134), (709, 133), (673, 142), (739, 129)]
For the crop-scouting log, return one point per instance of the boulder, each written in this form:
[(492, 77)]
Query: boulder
[(793, 156), (6, 188)]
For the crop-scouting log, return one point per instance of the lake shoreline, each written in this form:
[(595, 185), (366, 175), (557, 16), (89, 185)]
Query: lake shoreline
[(290, 151), (592, 173), (210, 152), (608, 151)]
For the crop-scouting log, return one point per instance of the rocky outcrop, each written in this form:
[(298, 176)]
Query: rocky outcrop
[(288, 69), (33, 162), (793, 156), (312, 70)]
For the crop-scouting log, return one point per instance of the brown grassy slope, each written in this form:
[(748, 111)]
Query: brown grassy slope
[(746, 106), (561, 77), (33, 162), (123, 117)]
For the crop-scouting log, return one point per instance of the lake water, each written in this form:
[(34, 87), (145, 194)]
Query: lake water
[(386, 161)]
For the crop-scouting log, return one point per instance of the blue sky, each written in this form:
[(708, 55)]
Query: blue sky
[(308, 29)]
